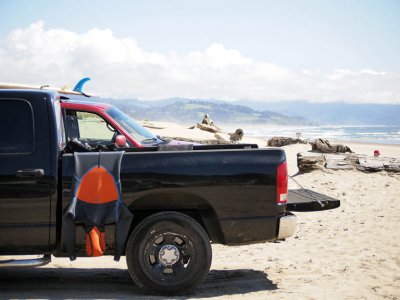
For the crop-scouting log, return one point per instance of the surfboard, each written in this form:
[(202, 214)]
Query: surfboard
[(78, 87), (63, 90)]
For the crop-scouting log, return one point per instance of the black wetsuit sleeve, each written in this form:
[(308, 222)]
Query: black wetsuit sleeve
[(121, 230), (68, 235)]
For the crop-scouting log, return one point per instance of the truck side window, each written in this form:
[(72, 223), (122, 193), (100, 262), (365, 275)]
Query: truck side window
[(94, 129), (17, 130)]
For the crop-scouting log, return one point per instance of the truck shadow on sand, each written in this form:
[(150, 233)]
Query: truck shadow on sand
[(54, 283)]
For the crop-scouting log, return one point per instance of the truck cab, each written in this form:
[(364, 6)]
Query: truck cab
[(29, 152)]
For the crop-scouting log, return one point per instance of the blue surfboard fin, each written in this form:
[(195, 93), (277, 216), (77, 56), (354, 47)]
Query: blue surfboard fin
[(79, 85)]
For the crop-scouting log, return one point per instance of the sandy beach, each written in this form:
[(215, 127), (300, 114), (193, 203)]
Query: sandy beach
[(352, 252)]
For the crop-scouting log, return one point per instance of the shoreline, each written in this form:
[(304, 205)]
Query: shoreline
[(334, 133), (171, 130)]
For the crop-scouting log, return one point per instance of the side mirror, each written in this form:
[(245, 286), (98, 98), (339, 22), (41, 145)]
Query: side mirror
[(120, 140)]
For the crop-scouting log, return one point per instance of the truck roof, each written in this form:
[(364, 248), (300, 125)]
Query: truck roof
[(66, 103), (22, 86), (52, 94), (79, 104)]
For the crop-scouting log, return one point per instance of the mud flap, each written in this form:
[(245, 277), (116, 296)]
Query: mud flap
[(308, 200)]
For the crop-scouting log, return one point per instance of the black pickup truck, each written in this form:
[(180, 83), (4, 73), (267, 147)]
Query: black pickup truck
[(181, 201)]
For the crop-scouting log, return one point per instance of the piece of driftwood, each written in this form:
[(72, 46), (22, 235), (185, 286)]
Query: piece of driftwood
[(307, 162), (209, 128), (220, 138), (325, 146), (370, 164), (392, 165), (237, 135), (198, 141), (310, 161), (279, 141), (151, 125), (339, 162)]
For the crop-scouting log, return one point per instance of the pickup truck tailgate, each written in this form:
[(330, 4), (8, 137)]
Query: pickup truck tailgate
[(308, 200)]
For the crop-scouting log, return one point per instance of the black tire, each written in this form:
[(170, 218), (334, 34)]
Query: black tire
[(168, 253)]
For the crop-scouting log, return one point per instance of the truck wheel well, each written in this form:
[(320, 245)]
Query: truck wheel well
[(205, 217)]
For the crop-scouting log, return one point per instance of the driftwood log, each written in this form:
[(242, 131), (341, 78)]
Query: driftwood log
[(370, 164), (393, 165), (152, 126), (209, 128), (237, 135), (279, 141), (376, 164), (325, 146), (339, 161), (309, 161), (215, 141)]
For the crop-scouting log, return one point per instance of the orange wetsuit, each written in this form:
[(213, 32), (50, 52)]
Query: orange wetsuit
[(96, 202)]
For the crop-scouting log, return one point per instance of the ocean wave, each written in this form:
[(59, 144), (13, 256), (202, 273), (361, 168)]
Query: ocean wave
[(373, 134)]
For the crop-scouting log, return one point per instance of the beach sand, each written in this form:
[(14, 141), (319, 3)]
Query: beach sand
[(352, 252)]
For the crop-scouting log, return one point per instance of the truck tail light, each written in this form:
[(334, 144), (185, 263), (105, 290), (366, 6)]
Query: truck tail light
[(282, 184)]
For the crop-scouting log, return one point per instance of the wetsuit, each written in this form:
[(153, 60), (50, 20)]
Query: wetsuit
[(96, 202)]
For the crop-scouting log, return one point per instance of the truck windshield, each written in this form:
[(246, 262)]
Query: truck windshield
[(138, 132)]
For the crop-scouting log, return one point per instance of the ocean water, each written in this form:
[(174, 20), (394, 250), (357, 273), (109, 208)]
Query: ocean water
[(367, 134)]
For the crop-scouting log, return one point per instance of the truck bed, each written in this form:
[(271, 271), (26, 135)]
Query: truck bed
[(231, 191)]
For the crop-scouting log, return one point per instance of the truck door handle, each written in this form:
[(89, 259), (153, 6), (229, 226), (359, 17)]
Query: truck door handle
[(30, 173)]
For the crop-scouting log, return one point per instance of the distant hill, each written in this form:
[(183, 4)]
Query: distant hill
[(336, 113), (192, 111)]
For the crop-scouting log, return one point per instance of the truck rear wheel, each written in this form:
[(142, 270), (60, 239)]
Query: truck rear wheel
[(168, 253)]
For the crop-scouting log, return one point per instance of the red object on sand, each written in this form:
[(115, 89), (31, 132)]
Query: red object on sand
[(376, 153)]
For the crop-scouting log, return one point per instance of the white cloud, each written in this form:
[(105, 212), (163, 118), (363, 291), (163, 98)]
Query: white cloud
[(372, 72), (119, 67), (346, 73)]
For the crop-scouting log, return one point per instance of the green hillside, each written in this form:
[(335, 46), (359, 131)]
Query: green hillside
[(192, 111)]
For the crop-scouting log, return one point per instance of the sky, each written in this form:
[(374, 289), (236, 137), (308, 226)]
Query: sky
[(321, 51)]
